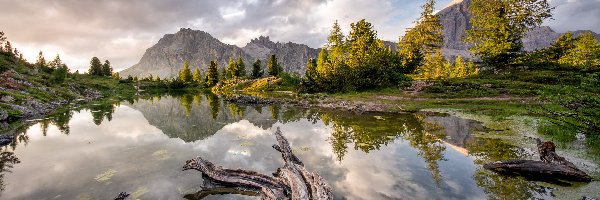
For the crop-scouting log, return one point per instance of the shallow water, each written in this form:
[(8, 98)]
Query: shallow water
[(139, 147)]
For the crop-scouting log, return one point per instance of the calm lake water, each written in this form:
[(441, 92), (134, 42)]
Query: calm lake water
[(139, 147)]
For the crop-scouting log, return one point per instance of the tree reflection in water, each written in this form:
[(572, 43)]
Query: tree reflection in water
[(371, 132), (7, 162)]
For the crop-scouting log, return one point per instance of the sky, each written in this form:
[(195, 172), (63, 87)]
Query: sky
[(121, 31)]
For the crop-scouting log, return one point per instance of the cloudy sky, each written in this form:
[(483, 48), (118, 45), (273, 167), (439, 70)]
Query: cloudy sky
[(121, 31)]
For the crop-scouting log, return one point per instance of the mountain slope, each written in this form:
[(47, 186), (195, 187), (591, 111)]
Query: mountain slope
[(166, 58)]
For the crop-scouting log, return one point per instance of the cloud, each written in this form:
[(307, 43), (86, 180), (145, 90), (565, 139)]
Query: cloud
[(121, 31), (571, 15)]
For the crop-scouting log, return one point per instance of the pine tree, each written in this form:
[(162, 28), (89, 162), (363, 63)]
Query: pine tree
[(185, 75), (212, 76), (311, 72), (2, 39), (56, 63), (272, 66), (8, 48), (107, 69), (499, 25), (95, 67), (257, 71), (584, 55), (41, 61), (197, 77), (241, 68)]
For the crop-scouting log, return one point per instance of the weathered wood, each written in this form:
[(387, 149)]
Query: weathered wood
[(292, 181), (533, 168), (551, 166)]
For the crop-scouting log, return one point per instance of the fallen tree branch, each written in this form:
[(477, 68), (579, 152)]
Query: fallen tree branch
[(292, 181), (551, 166)]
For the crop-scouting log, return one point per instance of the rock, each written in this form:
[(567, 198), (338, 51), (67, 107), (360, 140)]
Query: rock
[(3, 115)]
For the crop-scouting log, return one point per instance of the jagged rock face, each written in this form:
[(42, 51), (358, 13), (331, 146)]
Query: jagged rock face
[(291, 56), (166, 58)]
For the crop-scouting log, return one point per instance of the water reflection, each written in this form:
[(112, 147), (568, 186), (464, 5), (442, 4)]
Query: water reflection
[(140, 145)]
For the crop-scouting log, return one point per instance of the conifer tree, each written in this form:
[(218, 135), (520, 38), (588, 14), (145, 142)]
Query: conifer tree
[(231, 70), (460, 68), (563, 44), (257, 71), (2, 39), (107, 69), (425, 38), (8, 48), (56, 63), (185, 75), (311, 71), (584, 55), (197, 76), (272, 66), (95, 67), (499, 25), (41, 61), (212, 76), (241, 68)]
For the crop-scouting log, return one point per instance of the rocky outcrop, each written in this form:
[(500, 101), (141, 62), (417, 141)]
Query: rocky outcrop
[(166, 58)]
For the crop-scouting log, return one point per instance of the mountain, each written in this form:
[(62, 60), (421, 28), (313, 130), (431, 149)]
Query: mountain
[(455, 19), (166, 58)]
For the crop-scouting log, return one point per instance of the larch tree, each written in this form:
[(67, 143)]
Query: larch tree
[(197, 76), (241, 68), (185, 75), (585, 55), (499, 25)]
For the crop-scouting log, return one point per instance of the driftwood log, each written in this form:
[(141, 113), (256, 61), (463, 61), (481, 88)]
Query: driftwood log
[(552, 166), (292, 181)]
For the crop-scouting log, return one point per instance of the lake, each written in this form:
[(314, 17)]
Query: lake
[(139, 147)]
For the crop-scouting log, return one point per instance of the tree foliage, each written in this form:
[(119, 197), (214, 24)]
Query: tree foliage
[(95, 67), (584, 55), (499, 25), (273, 66), (107, 69), (185, 75), (357, 61), (257, 70), (197, 76), (212, 76)]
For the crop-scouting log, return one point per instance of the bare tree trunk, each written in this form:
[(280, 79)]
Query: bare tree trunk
[(552, 166), (292, 181)]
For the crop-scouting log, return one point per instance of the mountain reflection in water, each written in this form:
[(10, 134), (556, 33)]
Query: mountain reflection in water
[(97, 151)]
